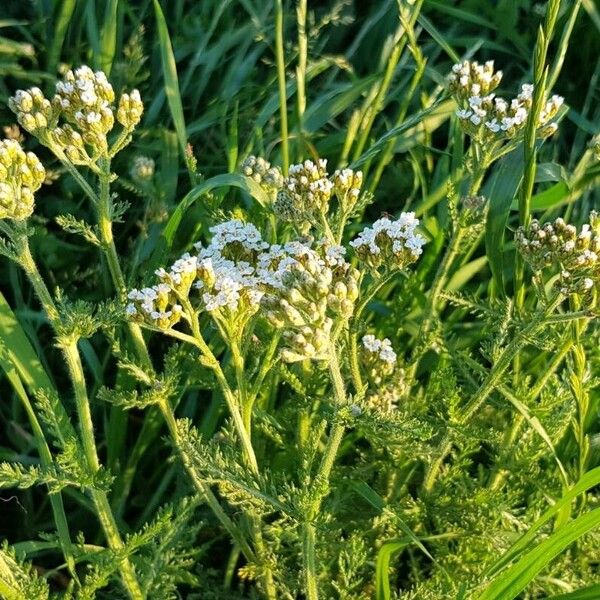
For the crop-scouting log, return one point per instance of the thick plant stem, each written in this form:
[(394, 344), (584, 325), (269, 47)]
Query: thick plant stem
[(285, 152), (321, 483), (86, 429)]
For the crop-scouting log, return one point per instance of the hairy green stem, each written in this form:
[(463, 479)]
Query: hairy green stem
[(86, 428), (430, 310), (321, 483), (354, 325), (202, 487)]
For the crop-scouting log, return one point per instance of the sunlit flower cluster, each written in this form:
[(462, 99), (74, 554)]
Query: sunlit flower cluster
[(575, 254), (392, 244), (347, 185), (307, 290), (21, 175), (261, 171), (469, 78), (222, 279), (484, 115), (300, 287), (83, 107), (34, 111)]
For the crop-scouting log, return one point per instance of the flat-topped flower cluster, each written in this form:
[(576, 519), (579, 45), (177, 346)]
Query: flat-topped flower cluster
[(80, 114), (301, 286), (486, 116), (390, 243)]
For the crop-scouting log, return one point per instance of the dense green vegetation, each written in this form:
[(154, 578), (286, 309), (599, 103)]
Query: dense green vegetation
[(231, 370)]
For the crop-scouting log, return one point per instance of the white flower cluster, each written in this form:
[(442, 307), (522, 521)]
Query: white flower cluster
[(385, 377), (83, 100), (393, 244), (486, 116), (381, 348), (469, 78), (305, 193), (261, 171), (307, 289), (34, 111), (348, 182), (21, 175), (576, 254), (300, 288)]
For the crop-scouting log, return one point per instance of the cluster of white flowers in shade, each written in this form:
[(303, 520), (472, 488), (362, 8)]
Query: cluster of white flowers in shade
[(385, 377), (305, 192), (575, 254), (484, 115), (84, 102), (381, 348), (21, 175), (261, 171), (392, 244)]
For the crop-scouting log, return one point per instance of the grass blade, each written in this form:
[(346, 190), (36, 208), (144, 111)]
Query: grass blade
[(508, 584), (109, 36), (171, 79)]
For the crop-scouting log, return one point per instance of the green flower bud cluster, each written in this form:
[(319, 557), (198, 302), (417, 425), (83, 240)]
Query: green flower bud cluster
[(307, 289), (142, 169), (84, 102), (261, 171), (575, 254), (387, 381), (385, 398), (21, 175), (305, 193), (34, 112), (487, 117), (390, 244)]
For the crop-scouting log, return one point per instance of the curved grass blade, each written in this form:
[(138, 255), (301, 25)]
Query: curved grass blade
[(225, 180), (589, 480), (501, 191), (171, 79), (588, 593), (508, 584), (108, 38)]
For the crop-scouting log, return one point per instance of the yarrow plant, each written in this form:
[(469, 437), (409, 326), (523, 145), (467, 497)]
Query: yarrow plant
[(341, 361)]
